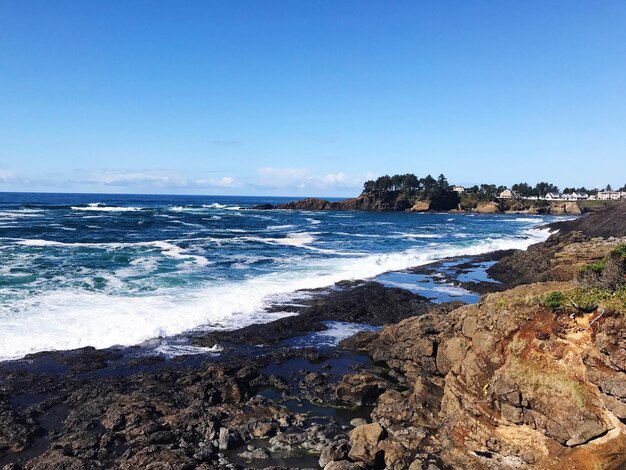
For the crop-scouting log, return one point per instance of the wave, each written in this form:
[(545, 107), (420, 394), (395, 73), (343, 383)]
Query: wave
[(97, 207), (73, 318), (166, 248), (415, 235), (14, 214), (279, 227), (533, 220)]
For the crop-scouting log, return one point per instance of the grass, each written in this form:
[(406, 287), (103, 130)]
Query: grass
[(555, 300), (587, 298), (593, 205)]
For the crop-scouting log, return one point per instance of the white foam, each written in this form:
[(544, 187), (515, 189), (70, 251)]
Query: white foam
[(19, 213), (280, 227), (415, 235), (532, 220), (167, 249), (69, 318), (299, 239), (97, 207), (314, 221), (336, 332)]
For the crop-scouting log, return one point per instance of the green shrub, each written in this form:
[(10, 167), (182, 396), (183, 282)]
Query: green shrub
[(555, 300), (595, 268), (620, 251)]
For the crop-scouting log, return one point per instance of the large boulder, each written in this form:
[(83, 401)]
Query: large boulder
[(488, 208), (364, 441)]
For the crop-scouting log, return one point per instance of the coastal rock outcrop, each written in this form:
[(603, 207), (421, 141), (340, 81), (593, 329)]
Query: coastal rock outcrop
[(557, 259), (609, 221), (505, 383)]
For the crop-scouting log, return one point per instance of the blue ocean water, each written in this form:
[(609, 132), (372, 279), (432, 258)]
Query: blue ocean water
[(102, 270)]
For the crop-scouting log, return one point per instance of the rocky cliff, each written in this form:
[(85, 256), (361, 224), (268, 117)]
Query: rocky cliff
[(396, 201), (506, 383)]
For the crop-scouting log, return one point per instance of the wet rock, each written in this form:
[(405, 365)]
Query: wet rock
[(254, 453), (361, 389), (228, 439), (334, 452)]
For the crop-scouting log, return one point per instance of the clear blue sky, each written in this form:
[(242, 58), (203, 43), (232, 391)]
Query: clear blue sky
[(308, 97)]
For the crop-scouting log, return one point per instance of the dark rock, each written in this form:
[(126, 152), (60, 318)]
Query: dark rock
[(610, 221), (361, 389)]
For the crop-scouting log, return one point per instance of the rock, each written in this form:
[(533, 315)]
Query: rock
[(368, 302), (333, 452), (364, 441), (342, 465), (357, 422), (488, 208), (420, 206), (610, 221), (254, 453), (558, 259), (360, 389), (228, 439), (263, 429)]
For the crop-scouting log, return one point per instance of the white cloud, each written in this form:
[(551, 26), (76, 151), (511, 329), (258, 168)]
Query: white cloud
[(157, 178), (301, 178), (7, 176), (224, 182)]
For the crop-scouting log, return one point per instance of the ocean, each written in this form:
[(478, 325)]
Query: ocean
[(102, 270)]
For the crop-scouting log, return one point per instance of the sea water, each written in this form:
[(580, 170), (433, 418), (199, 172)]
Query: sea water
[(102, 270)]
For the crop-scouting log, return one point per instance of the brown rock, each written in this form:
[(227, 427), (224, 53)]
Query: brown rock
[(364, 441), (360, 389)]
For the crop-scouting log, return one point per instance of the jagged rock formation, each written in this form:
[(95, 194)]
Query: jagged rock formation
[(576, 242), (396, 201), (610, 221), (506, 383), (557, 259)]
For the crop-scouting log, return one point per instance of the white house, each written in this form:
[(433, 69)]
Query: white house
[(507, 194), (554, 197), (575, 196), (609, 195), (458, 188)]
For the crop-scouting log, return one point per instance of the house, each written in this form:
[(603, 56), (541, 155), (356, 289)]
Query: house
[(507, 194), (459, 189), (575, 196), (554, 197), (609, 195)]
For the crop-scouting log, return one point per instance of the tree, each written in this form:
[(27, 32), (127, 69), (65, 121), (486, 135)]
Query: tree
[(442, 183), (608, 188), (523, 189), (383, 184), (396, 181), (369, 187), (623, 188), (429, 185), (410, 183), (544, 188)]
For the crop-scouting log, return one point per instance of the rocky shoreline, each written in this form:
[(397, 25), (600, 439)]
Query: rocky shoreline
[(395, 202), (506, 382)]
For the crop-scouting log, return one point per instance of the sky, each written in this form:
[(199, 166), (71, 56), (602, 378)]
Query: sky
[(308, 98)]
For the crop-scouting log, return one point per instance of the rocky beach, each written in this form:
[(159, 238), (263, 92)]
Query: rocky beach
[(510, 381)]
